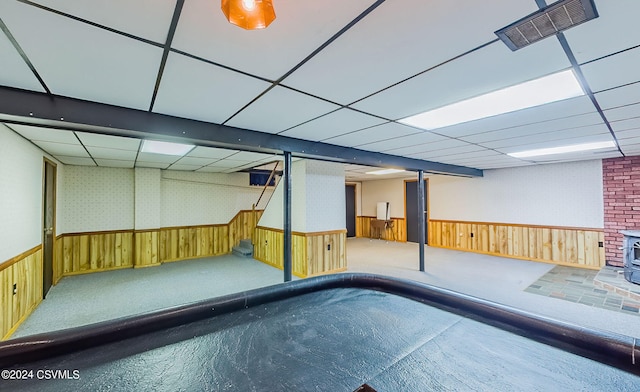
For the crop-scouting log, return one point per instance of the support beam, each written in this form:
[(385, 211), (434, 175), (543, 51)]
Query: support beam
[(34, 108), (421, 217), (287, 266)]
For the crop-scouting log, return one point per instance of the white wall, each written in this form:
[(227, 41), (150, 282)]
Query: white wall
[(391, 191), (190, 199), (95, 199), (325, 204), (21, 176), (564, 194), (318, 199), (273, 215)]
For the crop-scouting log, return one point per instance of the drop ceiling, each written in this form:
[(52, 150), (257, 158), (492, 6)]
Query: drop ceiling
[(333, 72)]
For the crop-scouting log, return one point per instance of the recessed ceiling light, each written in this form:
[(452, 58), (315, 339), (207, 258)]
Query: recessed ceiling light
[(550, 88), (385, 171), (563, 149), (165, 148)]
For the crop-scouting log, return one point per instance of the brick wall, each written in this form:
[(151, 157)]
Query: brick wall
[(621, 186)]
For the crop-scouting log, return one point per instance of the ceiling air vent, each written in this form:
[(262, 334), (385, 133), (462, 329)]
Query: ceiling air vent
[(546, 22)]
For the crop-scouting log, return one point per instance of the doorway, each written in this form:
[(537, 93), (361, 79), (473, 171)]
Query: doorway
[(350, 197), (411, 209), (49, 223)]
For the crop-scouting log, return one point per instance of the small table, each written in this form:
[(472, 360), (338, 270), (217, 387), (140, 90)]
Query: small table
[(378, 225)]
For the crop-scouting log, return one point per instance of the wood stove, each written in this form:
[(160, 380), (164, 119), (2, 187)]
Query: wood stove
[(631, 255)]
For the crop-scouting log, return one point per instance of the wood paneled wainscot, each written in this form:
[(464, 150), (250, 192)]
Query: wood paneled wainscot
[(20, 289), (312, 254), (181, 243), (242, 226), (79, 253), (397, 233), (572, 246)]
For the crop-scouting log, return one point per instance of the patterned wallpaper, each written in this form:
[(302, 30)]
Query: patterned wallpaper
[(95, 199), (20, 195), (318, 199), (206, 198), (147, 198), (325, 196)]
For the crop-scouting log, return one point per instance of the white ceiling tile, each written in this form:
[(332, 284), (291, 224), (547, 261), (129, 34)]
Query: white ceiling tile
[(71, 150), (629, 141), (544, 129), (624, 125), (181, 167), (108, 141), (620, 96), (572, 122), (187, 160), (148, 19), (201, 91), (623, 112), (76, 161), (580, 156), (249, 156), (15, 72), (403, 141), (489, 69), (559, 143), (333, 124), (81, 61), (156, 158), (538, 114), (211, 169), (374, 134), (398, 40), (280, 109), (112, 153), (45, 134), (210, 152), (613, 71), (114, 163), (535, 137), (227, 163), (631, 133), (152, 165), (436, 154), (300, 27), (612, 31), (420, 148)]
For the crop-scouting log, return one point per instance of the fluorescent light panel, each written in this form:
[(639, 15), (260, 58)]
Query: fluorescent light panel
[(165, 148), (550, 88), (563, 149), (385, 171)]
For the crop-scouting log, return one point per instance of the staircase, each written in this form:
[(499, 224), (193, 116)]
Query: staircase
[(244, 249)]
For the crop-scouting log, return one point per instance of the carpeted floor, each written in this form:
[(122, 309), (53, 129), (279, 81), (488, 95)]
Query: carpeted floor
[(576, 285)]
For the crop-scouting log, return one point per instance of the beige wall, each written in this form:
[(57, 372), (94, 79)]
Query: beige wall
[(391, 191)]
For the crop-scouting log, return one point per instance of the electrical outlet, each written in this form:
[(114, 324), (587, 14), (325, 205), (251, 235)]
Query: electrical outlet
[(471, 235), (15, 288), (600, 244), (328, 246), (266, 242)]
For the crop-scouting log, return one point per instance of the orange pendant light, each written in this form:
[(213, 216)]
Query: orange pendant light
[(249, 14)]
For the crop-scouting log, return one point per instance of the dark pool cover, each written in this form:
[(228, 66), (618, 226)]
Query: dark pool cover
[(327, 334)]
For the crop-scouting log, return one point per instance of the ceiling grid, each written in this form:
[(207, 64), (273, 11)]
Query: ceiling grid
[(332, 74)]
